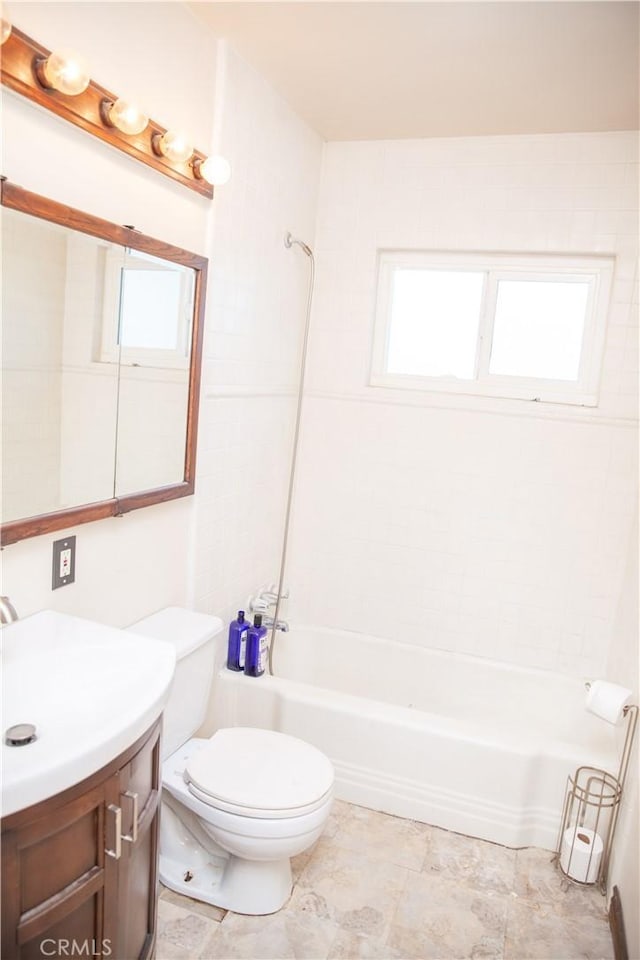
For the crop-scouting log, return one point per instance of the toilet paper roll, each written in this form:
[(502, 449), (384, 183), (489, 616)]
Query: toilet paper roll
[(581, 854), (607, 700)]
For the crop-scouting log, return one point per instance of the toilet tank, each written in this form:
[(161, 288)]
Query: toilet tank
[(194, 637)]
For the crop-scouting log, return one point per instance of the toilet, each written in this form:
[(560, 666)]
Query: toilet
[(237, 806)]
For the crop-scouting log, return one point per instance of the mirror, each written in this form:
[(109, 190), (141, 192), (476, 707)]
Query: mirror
[(102, 342)]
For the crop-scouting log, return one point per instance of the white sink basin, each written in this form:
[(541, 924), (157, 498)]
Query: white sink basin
[(90, 691)]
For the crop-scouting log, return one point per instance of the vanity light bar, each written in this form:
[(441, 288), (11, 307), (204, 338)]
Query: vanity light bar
[(24, 70)]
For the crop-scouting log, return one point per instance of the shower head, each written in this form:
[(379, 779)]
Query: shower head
[(289, 241)]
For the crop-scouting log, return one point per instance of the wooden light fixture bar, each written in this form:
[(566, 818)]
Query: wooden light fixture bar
[(19, 57)]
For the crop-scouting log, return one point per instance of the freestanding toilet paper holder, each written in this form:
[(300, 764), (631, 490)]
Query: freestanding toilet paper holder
[(590, 815)]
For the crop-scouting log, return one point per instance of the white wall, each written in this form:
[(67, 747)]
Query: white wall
[(210, 551), (257, 293), (158, 55), (89, 393), (33, 295), (623, 669), (493, 527)]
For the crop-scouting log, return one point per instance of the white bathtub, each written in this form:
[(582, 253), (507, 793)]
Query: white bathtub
[(471, 745)]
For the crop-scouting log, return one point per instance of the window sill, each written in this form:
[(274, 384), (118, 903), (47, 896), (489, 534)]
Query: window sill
[(498, 388)]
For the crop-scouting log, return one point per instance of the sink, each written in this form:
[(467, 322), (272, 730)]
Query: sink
[(90, 690)]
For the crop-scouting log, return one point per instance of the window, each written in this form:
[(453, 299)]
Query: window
[(147, 310), (526, 326)]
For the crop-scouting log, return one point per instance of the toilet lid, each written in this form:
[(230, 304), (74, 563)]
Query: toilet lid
[(260, 770)]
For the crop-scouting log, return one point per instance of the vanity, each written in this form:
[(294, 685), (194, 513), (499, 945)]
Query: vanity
[(80, 803)]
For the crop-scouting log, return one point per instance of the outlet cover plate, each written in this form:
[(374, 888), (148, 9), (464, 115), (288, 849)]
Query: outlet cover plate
[(64, 562)]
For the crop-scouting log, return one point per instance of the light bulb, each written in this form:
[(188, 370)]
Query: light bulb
[(65, 72), (215, 170), (123, 115), (5, 27), (174, 146)]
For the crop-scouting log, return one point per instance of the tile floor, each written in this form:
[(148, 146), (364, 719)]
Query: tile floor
[(378, 887)]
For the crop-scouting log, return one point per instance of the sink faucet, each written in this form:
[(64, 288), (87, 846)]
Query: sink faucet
[(8, 612)]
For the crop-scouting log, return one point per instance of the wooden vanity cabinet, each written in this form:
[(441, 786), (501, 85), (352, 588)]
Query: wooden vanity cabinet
[(79, 870)]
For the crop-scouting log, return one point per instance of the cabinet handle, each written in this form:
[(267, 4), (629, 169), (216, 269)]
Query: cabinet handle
[(117, 812), (133, 836)]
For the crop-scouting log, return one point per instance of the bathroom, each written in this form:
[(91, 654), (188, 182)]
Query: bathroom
[(479, 526)]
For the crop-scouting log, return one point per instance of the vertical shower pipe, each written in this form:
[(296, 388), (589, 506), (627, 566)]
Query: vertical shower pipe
[(289, 241)]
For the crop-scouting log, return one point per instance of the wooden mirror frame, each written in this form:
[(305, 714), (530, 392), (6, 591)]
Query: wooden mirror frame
[(15, 198)]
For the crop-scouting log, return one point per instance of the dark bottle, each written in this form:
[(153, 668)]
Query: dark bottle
[(256, 648), (236, 652)]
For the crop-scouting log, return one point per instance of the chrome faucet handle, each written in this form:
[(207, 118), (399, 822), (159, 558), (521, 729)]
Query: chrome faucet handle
[(272, 592), (269, 596), (259, 605)]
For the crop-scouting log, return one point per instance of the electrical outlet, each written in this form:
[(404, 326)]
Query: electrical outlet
[(64, 562)]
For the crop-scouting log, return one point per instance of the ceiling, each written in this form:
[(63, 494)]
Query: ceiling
[(393, 70)]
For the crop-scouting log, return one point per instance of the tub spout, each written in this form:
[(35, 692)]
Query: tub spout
[(270, 623)]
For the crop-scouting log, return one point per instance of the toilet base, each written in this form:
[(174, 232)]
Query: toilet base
[(193, 864), (252, 887)]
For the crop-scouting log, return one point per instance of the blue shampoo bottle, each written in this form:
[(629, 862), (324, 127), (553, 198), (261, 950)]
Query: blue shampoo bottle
[(236, 652), (256, 648)]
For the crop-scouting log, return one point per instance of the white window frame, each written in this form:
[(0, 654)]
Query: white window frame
[(111, 351), (597, 270)]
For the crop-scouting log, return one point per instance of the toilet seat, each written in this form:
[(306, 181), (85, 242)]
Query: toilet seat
[(260, 773), (246, 811)]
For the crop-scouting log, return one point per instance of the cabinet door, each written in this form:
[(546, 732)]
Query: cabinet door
[(54, 875), (131, 920)]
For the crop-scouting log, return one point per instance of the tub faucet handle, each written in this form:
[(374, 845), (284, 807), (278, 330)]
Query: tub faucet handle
[(273, 592), (266, 598), (259, 604), (269, 596)]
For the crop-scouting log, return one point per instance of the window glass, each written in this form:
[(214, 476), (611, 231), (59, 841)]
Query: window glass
[(435, 316), (150, 309), (538, 329)]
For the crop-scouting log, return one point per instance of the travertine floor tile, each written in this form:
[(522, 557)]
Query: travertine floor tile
[(286, 935), (358, 946), (474, 863), (194, 906), (181, 933), (383, 837), (377, 887), (349, 889), (299, 863), (442, 918), (539, 934), (538, 880)]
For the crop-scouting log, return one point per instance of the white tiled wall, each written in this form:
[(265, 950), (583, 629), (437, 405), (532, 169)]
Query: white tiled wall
[(212, 550), (31, 354), (473, 525), (89, 396), (623, 668), (498, 528), (130, 566), (257, 297)]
